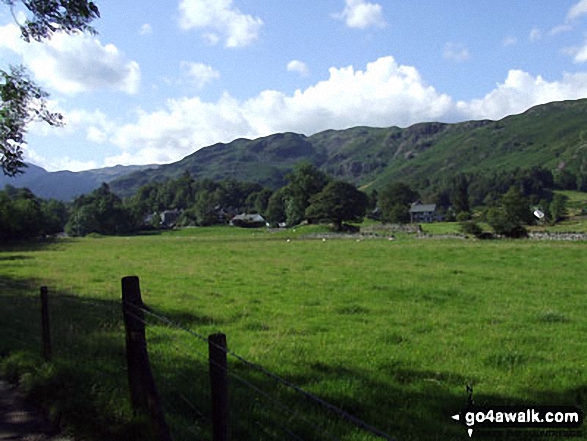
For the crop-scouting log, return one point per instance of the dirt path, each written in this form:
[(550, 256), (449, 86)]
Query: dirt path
[(20, 421)]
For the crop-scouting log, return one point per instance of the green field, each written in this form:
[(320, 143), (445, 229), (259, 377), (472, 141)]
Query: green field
[(390, 331)]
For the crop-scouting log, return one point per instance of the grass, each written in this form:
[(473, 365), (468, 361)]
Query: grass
[(390, 331)]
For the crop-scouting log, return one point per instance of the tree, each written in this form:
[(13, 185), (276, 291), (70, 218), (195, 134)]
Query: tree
[(460, 194), (25, 216), (304, 182), (558, 207), (512, 212), (339, 201), (394, 202), (275, 213), (22, 101), (100, 212)]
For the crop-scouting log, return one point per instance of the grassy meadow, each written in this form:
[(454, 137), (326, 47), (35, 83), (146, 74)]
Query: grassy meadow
[(390, 331)]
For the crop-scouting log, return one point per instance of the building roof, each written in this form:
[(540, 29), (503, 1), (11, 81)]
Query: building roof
[(249, 218), (422, 208)]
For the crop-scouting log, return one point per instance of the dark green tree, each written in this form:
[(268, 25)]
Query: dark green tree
[(304, 182), (558, 207), (100, 212), (394, 202), (460, 194), (205, 207), (338, 202), (275, 213), (511, 214)]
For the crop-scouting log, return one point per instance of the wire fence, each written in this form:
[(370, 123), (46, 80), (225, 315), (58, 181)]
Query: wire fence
[(262, 405)]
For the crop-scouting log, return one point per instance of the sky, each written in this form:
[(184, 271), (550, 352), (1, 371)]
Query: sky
[(164, 79)]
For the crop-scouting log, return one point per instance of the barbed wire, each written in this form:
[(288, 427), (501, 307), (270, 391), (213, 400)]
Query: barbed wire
[(284, 407), (331, 407)]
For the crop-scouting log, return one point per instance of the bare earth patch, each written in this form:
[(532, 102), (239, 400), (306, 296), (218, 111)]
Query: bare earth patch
[(20, 421)]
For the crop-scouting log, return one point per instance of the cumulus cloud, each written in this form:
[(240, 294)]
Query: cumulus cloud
[(510, 41), (74, 63), (199, 74), (299, 67), (383, 94), (361, 14), (221, 20), (456, 52), (520, 91)]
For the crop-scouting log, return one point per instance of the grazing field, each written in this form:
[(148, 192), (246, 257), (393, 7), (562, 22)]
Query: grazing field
[(390, 331)]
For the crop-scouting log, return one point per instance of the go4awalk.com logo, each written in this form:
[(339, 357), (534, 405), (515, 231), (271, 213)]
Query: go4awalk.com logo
[(516, 417)]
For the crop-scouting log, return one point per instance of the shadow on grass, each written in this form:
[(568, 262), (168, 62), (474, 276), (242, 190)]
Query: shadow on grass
[(50, 243), (405, 402), (85, 387)]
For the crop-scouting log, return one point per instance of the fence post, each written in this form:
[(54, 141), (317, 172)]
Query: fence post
[(143, 393), (219, 386), (46, 330)]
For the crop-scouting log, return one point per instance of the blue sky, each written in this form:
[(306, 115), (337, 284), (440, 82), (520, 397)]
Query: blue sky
[(163, 79)]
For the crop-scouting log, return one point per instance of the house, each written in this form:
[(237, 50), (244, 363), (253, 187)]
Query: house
[(169, 218), (422, 212), (249, 221)]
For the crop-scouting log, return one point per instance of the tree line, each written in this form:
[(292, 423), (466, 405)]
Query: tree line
[(503, 200)]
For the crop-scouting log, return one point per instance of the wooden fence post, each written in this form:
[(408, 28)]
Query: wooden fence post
[(143, 393), (46, 330), (219, 386)]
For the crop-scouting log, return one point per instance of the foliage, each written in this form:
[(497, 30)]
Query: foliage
[(24, 216), (22, 101), (48, 17), (558, 208), (471, 227), (100, 212), (512, 212), (304, 182), (338, 202), (275, 213), (394, 202)]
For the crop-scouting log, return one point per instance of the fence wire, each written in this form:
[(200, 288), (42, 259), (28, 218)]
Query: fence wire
[(263, 405), (270, 401)]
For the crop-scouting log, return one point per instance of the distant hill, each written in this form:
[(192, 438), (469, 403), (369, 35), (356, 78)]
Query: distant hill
[(66, 185), (552, 135)]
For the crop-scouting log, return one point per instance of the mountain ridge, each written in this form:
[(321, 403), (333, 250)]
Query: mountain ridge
[(552, 135), (549, 135)]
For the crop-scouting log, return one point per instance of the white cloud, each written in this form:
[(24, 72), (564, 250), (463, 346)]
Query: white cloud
[(298, 66), (579, 54), (560, 29), (535, 34), (57, 164), (384, 94), (455, 52), (146, 29), (577, 10), (361, 14), (520, 91), (222, 20), (199, 74), (510, 41), (74, 63)]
